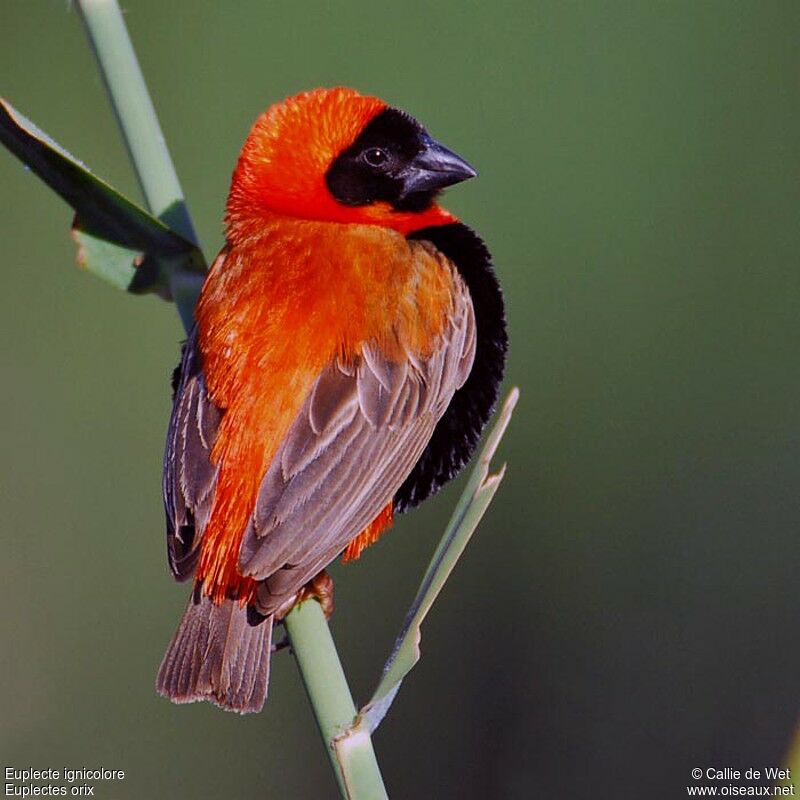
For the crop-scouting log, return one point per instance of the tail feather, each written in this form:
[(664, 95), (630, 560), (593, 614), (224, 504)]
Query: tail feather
[(219, 656)]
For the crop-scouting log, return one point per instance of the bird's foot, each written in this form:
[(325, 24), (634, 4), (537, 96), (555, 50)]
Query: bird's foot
[(320, 588)]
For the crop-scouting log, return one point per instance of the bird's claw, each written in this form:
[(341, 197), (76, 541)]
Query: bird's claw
[(320, 588)]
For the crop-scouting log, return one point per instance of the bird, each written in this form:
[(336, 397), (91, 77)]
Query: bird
[(347, 351)]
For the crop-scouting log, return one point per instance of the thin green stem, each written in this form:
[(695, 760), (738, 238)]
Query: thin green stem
[(136, 114), (141, 130), (356, 769)]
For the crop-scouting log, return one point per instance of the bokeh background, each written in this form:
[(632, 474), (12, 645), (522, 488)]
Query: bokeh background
[(628, 609)]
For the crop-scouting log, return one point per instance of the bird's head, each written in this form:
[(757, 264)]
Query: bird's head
[(339, 156)]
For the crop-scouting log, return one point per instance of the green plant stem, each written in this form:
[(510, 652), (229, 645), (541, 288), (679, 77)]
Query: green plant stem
[(142, 133), (356, 768), (136, 114), (357, 773), (792, 760)]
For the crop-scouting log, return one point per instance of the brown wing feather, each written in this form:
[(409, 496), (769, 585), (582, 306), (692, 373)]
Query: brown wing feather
[(189, 476), (357, 437), (359, 434)]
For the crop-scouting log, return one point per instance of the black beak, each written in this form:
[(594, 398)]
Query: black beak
[(434, 168)]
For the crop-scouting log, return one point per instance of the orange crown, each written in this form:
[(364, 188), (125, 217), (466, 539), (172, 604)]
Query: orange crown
[(285, 158)]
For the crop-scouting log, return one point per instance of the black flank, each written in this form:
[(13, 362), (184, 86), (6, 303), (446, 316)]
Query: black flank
[(456, 436)]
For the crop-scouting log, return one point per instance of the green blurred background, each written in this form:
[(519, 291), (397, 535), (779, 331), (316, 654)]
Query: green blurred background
[(628, 609)]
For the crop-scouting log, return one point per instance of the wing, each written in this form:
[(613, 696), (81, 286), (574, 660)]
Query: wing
[(357, 437), (189, 476)]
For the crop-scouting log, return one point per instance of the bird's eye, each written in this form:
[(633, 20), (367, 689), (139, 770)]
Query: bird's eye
[(376, 157)]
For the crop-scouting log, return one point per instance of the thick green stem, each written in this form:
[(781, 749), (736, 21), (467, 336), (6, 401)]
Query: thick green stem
[(356, 770), (355, 767)]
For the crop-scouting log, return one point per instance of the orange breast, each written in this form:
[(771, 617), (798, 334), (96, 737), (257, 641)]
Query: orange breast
[(273, 313)]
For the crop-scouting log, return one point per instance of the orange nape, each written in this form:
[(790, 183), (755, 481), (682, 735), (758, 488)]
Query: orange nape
[(369, 535), (284, 161)]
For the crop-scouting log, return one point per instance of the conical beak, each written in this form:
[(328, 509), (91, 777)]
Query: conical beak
[(434, 168)]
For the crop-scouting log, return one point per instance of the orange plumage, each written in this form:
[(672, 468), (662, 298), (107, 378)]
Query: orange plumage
[(300, 294), (282, 166), (331, 336)]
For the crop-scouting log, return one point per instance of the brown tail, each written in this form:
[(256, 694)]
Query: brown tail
[(219, 656)]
